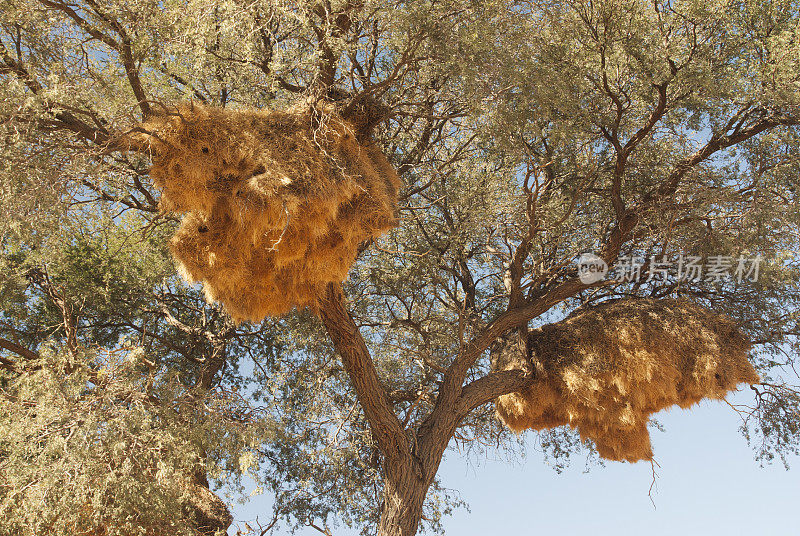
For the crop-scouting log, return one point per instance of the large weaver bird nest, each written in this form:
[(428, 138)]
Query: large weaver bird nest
[(276, 203), (605, 369)]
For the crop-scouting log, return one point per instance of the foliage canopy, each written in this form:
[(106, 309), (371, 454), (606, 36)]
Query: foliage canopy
[(525, 133)]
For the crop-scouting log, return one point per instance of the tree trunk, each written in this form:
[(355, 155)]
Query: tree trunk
[(401, 510)]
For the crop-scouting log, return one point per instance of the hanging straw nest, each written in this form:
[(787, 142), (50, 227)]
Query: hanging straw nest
[(605, 369), (277, 203)]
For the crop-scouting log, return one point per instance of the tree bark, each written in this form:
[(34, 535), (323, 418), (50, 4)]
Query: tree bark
[(403, 498), (405, 482)]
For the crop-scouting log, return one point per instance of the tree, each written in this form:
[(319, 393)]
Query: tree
[(526, 133)]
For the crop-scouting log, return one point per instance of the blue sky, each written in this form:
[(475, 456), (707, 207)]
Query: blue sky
[(708, 483)]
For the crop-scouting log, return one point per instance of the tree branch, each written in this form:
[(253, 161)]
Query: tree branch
[(717, 142), (338, 23), (385, 426), (125, 49), (489, 387), (63, 117), (19, 350)]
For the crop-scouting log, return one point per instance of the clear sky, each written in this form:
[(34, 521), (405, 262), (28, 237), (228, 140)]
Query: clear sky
[(708, 484)]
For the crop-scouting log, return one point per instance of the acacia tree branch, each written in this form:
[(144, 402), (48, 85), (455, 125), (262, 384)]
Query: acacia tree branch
[(489, 387), (717, 142), (19, 350), (183, 82), (453, 402), (652, 121), (82, 23), (125, 49), (15, 67), (63, 118), (39, 277), (385, 426), (8, 364), (335, 25), (123, 46), (624, 152)]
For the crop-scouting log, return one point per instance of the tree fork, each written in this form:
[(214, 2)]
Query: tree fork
[(387, 430), (406, 483)]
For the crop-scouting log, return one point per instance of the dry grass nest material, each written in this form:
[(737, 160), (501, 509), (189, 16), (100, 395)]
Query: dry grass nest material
[(276, 203), (605, 369)]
